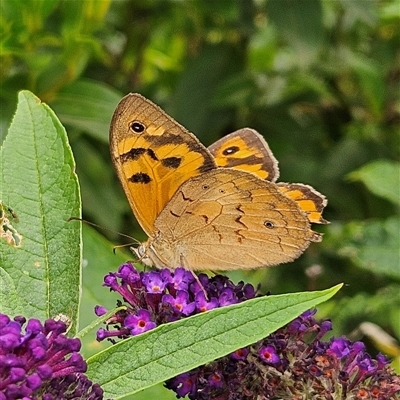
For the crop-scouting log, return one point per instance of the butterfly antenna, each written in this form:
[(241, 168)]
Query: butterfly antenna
[(104, 229), (135, 242)]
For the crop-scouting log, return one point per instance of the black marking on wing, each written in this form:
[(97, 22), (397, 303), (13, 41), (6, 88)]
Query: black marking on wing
[(185, 198), (207, 165), (140, 177), (171, 162), (165, 138), (240, 222), (251, 160), (239, 209), (152, 155), (132, 154), (218, 233), (240, 237)]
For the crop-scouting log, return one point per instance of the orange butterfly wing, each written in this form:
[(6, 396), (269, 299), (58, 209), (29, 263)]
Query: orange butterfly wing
[(246, 150), (153, 155)]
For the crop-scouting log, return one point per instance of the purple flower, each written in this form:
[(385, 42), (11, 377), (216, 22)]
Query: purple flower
[(216, 380), (139, 323), (293, 360), (100, 310), (128, 273), (182, 279), (202, 304), (166, 296), (294, 364), (182, 385), (339, 347), (269, 355), (181, 302), (240, 354), (156, 281), (41, 359), (227, 297)]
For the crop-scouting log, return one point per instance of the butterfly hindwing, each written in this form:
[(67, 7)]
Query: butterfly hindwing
[(228, 219), (309, 200)]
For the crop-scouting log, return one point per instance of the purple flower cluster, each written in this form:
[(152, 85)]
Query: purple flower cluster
[(41, 363), (158, 297), (293, 363)]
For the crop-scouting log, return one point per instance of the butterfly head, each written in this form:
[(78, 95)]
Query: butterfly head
[(148, 255), (141, 254)]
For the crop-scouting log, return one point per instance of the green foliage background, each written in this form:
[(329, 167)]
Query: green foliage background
[(318, 78)]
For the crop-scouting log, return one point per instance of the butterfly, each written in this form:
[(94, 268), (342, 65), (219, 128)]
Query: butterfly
[(216, 208)]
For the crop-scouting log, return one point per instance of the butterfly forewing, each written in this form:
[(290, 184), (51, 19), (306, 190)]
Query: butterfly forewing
[(153, 155)]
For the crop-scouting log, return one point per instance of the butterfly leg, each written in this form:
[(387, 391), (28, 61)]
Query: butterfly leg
[(184, 265)]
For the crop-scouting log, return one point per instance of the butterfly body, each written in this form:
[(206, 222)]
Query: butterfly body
[(202, 208)]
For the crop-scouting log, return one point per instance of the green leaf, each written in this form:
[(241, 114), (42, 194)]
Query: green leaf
[(155, 356), (374, 246), (381, 177), (38, 181), (88, 106), (13, 305)]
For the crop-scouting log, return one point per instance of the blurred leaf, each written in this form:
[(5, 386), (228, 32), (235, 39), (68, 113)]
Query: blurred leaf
[(84, 16), (371, 77), (101, 192), (157, 355), (381, 177), (28, 14), (234, 92), (300, 23), (87, 105), (390, 10), (39, 182), (359, 10), (99, 259), (381, 308), (374, 246), (191, 102)]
